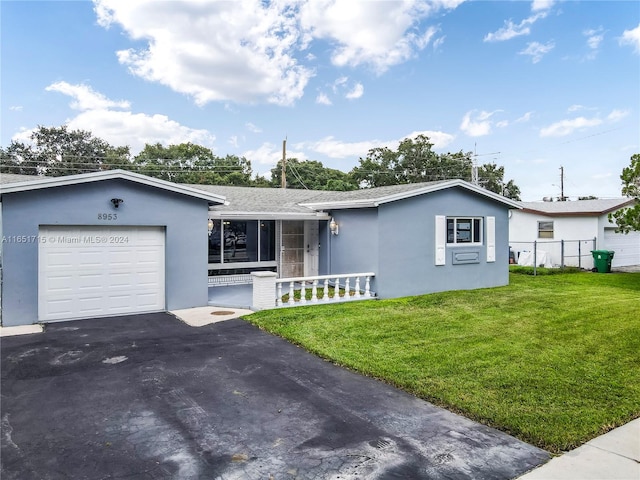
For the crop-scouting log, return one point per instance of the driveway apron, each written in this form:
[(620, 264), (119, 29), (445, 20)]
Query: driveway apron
[(148, 397)]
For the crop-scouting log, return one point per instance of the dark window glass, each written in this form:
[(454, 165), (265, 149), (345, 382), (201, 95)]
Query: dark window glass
[(215, 240), (476, 230), (451, 238), (267, 240), (463, 231), (240, 241)]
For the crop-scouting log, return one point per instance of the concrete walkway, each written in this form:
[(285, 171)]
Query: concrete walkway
[(612, 456)]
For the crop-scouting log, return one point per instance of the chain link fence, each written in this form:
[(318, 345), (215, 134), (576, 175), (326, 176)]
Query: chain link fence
[(553, 253)]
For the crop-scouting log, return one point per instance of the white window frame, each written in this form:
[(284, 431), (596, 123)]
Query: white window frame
[(455, 242), (548, 232)]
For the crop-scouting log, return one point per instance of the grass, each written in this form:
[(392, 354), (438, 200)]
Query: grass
[(543, 270), (553, 360)]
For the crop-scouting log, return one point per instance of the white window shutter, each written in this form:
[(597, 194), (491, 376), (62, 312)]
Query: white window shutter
[(491, 239), (441, 239)]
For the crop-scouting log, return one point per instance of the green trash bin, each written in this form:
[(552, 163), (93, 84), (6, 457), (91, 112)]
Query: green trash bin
[(602, 260)]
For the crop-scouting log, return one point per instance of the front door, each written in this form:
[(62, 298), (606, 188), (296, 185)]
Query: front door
[(312, 247)]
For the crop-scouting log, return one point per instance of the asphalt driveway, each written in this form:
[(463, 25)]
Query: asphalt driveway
[(148, 397)]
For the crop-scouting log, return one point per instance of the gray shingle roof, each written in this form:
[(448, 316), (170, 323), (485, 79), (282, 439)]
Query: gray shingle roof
[(261, 200), (6, 178), (579, 207)]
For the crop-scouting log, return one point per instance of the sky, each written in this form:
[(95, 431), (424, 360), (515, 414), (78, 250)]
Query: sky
[(529, 85)]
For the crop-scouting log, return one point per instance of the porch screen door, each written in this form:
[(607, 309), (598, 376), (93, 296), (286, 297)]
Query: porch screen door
[(292, 250)]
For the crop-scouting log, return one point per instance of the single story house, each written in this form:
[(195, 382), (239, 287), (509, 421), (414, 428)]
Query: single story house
[(549, 223), (117, 242)]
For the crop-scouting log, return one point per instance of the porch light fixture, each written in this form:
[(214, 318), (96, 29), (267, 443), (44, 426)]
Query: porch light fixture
[(210, 226), (116, 202), (334, 227)]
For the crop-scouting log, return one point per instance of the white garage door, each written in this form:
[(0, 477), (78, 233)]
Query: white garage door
[(627, 247), (86, 271)]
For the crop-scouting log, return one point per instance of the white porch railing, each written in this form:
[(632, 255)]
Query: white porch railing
[(356, 286)]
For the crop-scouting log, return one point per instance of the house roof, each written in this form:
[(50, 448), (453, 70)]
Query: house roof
[(296, 203), (48, 182), (16, 177), (263, 202), (372, 197), (578, 208)]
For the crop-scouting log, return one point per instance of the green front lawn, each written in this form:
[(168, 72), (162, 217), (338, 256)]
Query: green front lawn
[(553, 360)]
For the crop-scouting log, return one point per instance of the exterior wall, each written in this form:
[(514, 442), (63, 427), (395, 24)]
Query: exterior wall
[(407, 245), (397, 242), (355, 248), (523, 231), (184, 219)]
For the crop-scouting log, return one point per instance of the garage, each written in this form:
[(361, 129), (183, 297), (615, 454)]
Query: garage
[(91, 271), (627, 247), (101, 244)]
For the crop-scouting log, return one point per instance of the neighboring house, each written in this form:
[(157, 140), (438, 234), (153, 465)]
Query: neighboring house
[(116, 242), (547, 223)]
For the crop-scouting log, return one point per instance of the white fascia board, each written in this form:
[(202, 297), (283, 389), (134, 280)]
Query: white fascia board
[(413, 193), (267, 215), (49, 182)]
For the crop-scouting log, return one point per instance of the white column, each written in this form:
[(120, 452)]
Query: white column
[(264, 290)]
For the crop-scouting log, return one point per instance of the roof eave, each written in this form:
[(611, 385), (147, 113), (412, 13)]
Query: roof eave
[(368, 203), (49, 182)]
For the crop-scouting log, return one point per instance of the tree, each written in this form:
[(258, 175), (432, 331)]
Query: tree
[(491, 177), (628, 219), (57, 151), (312, 175), (415, 161), (190, 163)]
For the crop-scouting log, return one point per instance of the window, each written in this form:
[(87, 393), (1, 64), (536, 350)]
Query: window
[(464, 231), (545, 229), (242, 241)]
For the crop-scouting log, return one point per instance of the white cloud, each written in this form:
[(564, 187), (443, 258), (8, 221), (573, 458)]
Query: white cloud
[(251, 51), (617, 115), (567, 127), (85, 98), (253, 128), (138, 129), (269, 154), (378, 34), (15, 108), (233, 141), (333, 148), (594, 39), (212, 51), (356, 92), (511, 30), (123, 127), (323, 99), (502, 124), (538, 5), (477, 124), (438, 42), (537, 50), (439, 139), (524, 118), (631, 38)]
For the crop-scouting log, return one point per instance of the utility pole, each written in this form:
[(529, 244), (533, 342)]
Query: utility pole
[(474, 164), (562, 197), (283, 180)]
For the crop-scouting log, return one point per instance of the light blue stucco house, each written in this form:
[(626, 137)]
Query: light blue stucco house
[(117, 242)]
